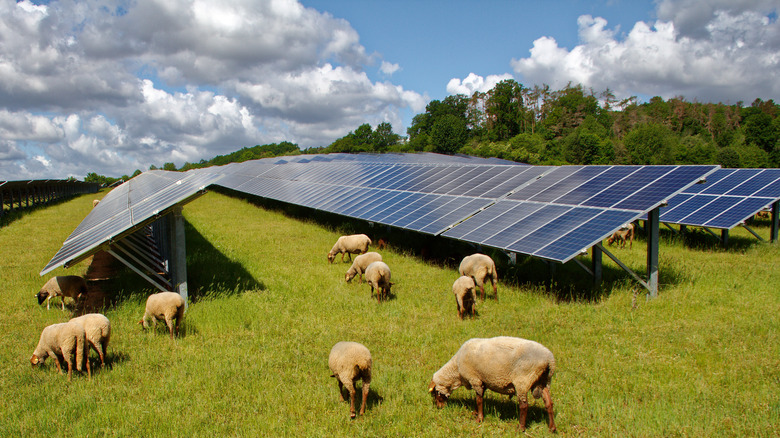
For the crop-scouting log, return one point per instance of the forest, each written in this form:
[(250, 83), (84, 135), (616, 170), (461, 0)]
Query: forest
[(577, 126), (573, 125)]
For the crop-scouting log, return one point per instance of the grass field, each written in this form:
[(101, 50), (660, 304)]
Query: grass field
[(703, 359)]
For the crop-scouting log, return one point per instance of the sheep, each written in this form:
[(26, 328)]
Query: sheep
[(382, 243), (480, 267), (63, 286), (164, 306), (378, 277), (626, 232), (464, 290), (64, 340), (354, 244), (350, 361), (763, 214), (95, 202), (505, 365), (98, 331), (360, 264)]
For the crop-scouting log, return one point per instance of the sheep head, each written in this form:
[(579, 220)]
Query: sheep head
[(331, 257), (42, 295), (35, 360), (439, 397)]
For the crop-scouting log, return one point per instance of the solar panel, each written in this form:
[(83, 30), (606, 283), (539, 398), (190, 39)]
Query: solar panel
[(546, 211), (727, 199)]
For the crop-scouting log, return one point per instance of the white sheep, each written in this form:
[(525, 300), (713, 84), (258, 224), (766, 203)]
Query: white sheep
[(360, 264), (95, 202), (480, 267), (349, 362), (465, 297), (505, 365), (354, 244), (98, 331), (378, 277), (165, 306), (71, 286), (625, 233), (63, 340)]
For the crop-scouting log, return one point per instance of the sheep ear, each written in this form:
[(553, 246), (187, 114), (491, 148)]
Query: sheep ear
[(431, 386)]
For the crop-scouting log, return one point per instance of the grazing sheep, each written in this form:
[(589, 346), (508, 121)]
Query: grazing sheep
[(480, 267), (378, 277), (626, 232), (62, 286), (505, 365), (354, 244), (465, 295), (360, 264), (165, 306), (382, 243), (763, 214), (63, 340), (98, 331), (95, 202), (350, 361)]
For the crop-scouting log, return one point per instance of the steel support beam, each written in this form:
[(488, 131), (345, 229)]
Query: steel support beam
[(774, 227), (178, 268), (651, 224)]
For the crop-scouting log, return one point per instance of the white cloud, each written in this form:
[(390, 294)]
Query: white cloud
[(111, 86), (474, 82), (738, 59), (388, 68)]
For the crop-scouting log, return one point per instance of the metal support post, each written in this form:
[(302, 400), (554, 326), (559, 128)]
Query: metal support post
[(596, 256), (724, 237), (651, 225), (773, 228), (178, 253)]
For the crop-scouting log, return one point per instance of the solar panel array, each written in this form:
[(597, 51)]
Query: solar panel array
[(128, 207), (545, 211), (729, 197)]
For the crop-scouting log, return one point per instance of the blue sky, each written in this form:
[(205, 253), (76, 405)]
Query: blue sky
[(110, 86)]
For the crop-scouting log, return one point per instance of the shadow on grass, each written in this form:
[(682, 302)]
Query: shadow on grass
[(374, 399), (10, 216), (565, 283), (210, 274), (506, 409)]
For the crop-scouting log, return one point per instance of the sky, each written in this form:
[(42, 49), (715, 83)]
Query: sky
[(113, 86)]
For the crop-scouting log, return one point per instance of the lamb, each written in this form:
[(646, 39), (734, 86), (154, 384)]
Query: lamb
[(71, 286), (505, 365), (354, 244), (378, 277), (350, 361), (626, 232), (164, 306), (98, 332), (480, 267), (63, 340), (464, 290), (360, 264)]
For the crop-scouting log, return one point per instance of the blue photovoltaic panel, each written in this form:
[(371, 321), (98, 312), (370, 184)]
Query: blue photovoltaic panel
[(548, 211), (727, 199)]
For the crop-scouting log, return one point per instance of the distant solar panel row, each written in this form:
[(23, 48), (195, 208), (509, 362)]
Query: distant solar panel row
[(545, 211), (729, 197)]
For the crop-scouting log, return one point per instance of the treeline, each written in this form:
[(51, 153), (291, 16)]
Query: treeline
[(576, 126)]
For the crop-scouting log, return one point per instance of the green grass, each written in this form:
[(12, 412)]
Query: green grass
[(703, 359)]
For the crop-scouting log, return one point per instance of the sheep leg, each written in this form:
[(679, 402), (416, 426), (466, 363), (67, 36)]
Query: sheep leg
[(522, 401), (365, 397), (341, 389), (549, 405), (169, 323), (479, 411), (351, 389), (48, 301), (495, 289)]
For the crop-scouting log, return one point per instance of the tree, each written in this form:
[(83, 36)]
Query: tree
[(449, 134), (504, 109), (384, 137), (169, 166)]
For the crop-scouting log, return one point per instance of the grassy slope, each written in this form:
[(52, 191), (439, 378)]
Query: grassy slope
[(702, 359)]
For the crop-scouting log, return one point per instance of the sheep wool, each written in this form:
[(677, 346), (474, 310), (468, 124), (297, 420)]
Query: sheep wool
[(464, 290), (349, 362), (505, 365), (360, 265), (62, 286), (66, 340), (378, 277), (353, 244), (97, 329), (480, 267), (164, 306)]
